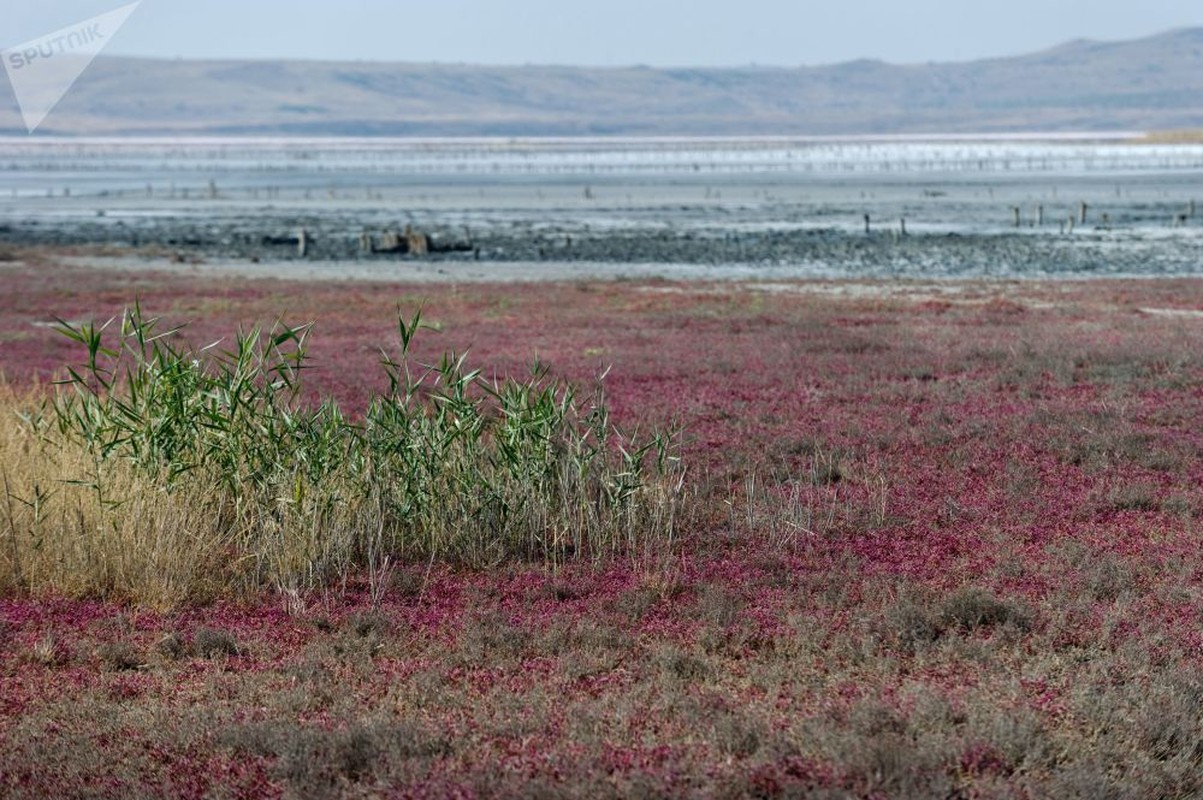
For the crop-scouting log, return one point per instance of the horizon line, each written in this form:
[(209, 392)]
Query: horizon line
[(751, 66)]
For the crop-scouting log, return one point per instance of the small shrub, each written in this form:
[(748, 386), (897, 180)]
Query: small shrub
[(49, 651), (323, 624), (408, 583), (684, 665), (910, 624), (314, 762), (1180, 505), (120, 656), (737, 736), (970, 609), (309, 671), (982, 758), (562, 589), (173, 646), (1108, 578), (370, 624), (1167, 723), (829, 467), (1133, 497), (873, 718), (491, 637), (893, 765), (211, 643), (1011, 739), (594, 641), (652, 589), (719, 607), (636, 603)]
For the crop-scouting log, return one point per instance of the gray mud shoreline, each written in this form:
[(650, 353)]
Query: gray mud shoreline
[(553, 226), (265, 247)]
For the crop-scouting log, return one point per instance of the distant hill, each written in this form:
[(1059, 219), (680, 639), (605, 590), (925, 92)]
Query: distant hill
[(1154, 83)]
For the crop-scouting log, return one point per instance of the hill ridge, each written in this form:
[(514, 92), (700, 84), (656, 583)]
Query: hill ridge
[(1151, 83)]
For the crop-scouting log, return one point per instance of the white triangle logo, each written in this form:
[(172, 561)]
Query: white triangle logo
[(44, 69)]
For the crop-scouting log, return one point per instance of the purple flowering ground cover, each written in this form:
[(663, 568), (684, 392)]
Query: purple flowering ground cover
[(936, 543)]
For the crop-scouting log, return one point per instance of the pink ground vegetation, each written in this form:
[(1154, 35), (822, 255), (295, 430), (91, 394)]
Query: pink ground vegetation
[(939, 547)]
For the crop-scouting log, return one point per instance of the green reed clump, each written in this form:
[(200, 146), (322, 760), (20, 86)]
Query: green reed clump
[(445, 464)]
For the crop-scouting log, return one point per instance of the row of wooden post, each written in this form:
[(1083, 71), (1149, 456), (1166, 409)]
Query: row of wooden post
[(1067, 224), (901, 225), (411, 241)]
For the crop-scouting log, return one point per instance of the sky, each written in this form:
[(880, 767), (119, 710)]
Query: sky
[(604, 33)]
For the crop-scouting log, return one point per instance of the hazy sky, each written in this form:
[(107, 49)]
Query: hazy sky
[(605, 32)]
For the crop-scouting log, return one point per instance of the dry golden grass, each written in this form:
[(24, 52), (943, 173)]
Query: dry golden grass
[(1187, 136), (78, 526), (131, 539)]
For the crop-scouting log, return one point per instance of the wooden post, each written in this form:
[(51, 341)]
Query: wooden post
[(867, 224), (390, 242), (1082, 207), (1015, 213), (416, 242)]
